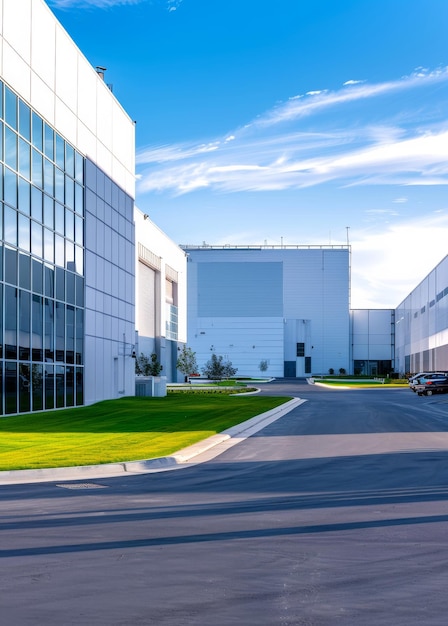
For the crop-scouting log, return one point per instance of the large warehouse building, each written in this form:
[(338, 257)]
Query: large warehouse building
[(67, 279)]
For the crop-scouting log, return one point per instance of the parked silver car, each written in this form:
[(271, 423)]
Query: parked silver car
[(423, 376)]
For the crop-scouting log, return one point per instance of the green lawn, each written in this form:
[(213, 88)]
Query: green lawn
[(121, 430)]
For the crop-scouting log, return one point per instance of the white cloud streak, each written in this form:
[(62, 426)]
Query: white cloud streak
[(171, 5), (276, 151)]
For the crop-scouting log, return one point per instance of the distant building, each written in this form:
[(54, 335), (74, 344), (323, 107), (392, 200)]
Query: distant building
[(285, 305), (67, 260), (373, 341), (421, 325), (161, 296)]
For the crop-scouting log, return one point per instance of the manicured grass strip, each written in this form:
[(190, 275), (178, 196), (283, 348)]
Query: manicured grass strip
[(121, 430)]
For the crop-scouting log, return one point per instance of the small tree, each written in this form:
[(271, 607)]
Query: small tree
[(331, 371), (341, 370), (148, 366), (263, 365), (216, 368), (186, 363)]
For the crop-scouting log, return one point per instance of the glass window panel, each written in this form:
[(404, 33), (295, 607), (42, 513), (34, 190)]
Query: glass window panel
[(79, 168), (70, 334), (10, 108), (10, 187), (24, 271), (37, 276), (49, 142), (10, 225), (79, 336), (69, 193), (49, 177), (11, 266), (1, 148), (24, 120), (37, 131), (37, 328), (79, 230), (24, 325), (70, 287), (25, 159), (49, 280), (10, 322), (60, 283), (59, 185), (1, 225), (49, 330), (24, 388), (79, 291), (79, 199), (11, 140), (36, 168), (69, 224), (60, 152), (70, 386), (79, 386), (48, 245), (36, 204), (60, 385), (10, 387), (79, 260), (60, 331), (49, 387), (49, 212), (36, 239), (24, 196), (24, 232), (59, 256), (1, 99), (37, 387), (69, 160), (69, 256), (59, 218)]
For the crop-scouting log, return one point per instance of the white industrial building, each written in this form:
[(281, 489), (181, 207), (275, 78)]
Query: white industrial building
[(67, 278), (421, 325), (284, 305)]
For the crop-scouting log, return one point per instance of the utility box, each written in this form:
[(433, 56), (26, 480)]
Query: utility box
[(152, 386)]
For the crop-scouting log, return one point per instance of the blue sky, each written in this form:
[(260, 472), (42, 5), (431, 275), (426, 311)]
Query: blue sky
[(286, 122)]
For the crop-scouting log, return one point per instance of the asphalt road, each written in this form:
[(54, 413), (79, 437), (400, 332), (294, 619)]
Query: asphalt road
[(335, 514)]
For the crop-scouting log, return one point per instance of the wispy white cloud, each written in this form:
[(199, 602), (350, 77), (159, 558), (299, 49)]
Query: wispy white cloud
[(279, 151)]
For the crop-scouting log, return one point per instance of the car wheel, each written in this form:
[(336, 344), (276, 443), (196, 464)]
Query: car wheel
[(429, 392), (420, 393)]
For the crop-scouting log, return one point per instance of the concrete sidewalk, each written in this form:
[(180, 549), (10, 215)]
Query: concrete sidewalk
[(213, 446)]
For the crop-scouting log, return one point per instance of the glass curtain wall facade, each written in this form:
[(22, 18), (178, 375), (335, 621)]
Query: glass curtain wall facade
[(41, 262)]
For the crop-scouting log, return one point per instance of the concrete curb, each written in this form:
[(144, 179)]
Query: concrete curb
[(230, 437)]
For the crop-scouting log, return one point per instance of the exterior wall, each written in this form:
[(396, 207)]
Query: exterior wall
[(256, 304), (372, 332), (421, 327), (67, 257), (161, 297)]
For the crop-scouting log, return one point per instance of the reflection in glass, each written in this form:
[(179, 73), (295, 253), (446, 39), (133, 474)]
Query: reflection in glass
[(24, 159), (36, 168), (70, 160), (48, 212), (70, 386), (60, 152), (70, 335), (37, 274), (10, 387), (79, 230), (24, 325), (69, 224), (59, 218), (10, 187), (60, 331), (60, 283), (70, 287), (37, 387), (49, 386), (79, 168), (60, 384), (49, 330), (24, 271), (10, 322), (37, 329), (48, 177), (59, 185), (79, 336), (24, 196), (36, 239), (79, 260), (59, 250), (24, 120), (49, 142), (11, 266), (10, 148), (48, 245), (37, 131), (24, 388), (10, 225), (10, 108), (36, 204), (24, 232), (79, 386), (49, 280)]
